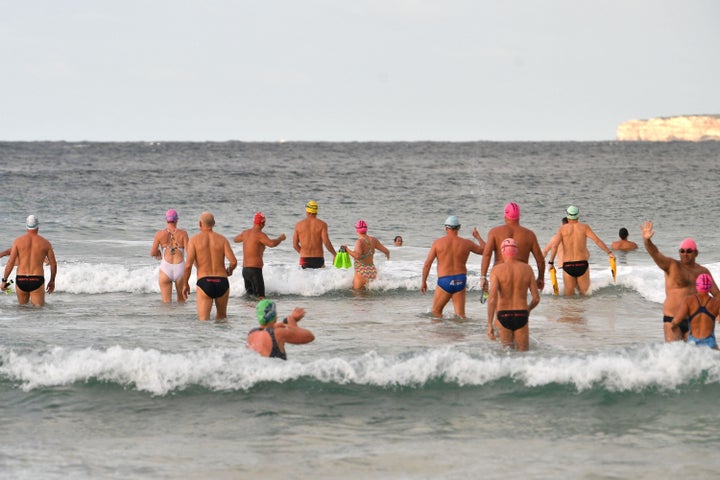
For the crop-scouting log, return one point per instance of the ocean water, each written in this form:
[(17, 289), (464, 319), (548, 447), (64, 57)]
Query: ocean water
[(106, 382)]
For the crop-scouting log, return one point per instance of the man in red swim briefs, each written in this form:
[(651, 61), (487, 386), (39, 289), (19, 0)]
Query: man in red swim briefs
[(309, 237)]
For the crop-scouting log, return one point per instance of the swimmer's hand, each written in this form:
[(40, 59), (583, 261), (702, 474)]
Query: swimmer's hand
[(423, 287), (491, 332), (186, 291)]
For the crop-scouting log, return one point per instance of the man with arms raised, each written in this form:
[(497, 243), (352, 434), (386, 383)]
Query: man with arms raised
[(29, 252), (509, 284), (254, 242), (524, 238), (573, 238), (208, 250), (309, 237), (680, 277), (452, 252)]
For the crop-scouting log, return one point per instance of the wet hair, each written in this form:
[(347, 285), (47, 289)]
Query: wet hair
[(564, 220), (623, 233)]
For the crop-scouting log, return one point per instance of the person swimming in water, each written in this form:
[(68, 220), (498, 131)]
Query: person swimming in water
[(269, 338)]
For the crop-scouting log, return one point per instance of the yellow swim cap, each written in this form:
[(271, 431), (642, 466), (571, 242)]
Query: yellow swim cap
[(311, 206)]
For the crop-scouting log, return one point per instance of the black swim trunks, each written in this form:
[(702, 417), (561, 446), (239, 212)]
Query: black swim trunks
[(29, 283), (575, 269), (214, 287), (513, 319), (312, 262), (254, 282), (684, 325)]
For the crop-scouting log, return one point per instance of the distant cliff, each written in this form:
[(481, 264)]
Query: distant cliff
[(689, 128)]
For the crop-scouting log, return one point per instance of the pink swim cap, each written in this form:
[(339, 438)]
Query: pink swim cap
[(171, 215), (703, 283), (688, 243), (509, 247), (361, 226), (512, 211)]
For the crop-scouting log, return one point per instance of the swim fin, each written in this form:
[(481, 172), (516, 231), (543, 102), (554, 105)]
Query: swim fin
[(553, 280)]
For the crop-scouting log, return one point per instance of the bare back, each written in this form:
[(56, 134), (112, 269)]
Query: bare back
[(679, 284), (28, 253), (452, 253), (254, 242), (309, 236), (524, 237), (513, 280), (573, 237), (208, 250)]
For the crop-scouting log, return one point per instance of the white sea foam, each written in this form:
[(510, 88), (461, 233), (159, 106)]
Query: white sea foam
[(660, 366)]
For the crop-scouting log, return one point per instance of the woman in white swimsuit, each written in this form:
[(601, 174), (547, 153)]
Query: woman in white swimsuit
[(169, 247)]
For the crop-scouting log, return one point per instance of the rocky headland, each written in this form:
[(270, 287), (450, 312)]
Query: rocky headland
[(688, 128)]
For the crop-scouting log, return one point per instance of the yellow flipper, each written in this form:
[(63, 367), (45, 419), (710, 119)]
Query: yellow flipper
[(613, 267), (553, 280)]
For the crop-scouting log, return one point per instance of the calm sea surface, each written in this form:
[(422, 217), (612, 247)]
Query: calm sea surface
[(106, 382)]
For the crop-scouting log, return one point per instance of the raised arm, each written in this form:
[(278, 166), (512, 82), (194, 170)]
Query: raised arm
[(660, 260)]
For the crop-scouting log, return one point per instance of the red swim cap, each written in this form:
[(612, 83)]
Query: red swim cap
[(259, 219)]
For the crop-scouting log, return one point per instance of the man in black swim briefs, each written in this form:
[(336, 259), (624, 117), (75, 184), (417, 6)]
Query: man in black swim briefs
[(572, 237), (510, 282), (254, 241), (29, 253), (208, 250)]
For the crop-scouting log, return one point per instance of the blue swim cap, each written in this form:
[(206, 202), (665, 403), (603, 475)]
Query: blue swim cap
[(452, 222)]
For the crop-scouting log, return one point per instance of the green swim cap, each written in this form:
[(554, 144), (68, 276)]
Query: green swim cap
[(572, 212), (266, 312)]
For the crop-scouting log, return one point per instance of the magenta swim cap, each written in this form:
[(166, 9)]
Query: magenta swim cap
[(509, 247), (171, 215), (703, 283), (512, 211), (688, 243), (361, 226)]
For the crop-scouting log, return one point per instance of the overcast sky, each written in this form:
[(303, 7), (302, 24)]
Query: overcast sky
[(352, 69)]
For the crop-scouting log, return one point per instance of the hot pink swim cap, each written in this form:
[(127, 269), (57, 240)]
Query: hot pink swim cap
[(509, 247), (703, 283), (171, 215), (512, 211), (688, 243), (361, 226)]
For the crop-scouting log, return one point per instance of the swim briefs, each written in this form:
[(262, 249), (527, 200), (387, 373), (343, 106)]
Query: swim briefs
[(29, 283), (312, 262), (575, 269), (513, 319), (174, 271), (214, 287), (453, 283), (254, 282), (368, 272), (684, 325)]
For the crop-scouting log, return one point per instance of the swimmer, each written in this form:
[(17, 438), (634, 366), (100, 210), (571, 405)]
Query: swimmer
[(624, 244), (451, 252), (254, 242), (169, 247), (508, 307), (364, 254), (270, 338), (701, 312), (309, 237)]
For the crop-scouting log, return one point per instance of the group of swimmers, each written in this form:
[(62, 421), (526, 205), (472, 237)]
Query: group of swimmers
[(689, 312)]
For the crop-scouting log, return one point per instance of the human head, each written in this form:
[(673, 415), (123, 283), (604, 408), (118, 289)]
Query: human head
[(171, 215), (361, 226), (572, 212), (452, 222), (259, 219), (32, 222), (623, 233), (564, 221), (311, 207), (509, 247), (398, 241), (688, 245), (266, 312), (512, 211), (703, 283), (207, 219)]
